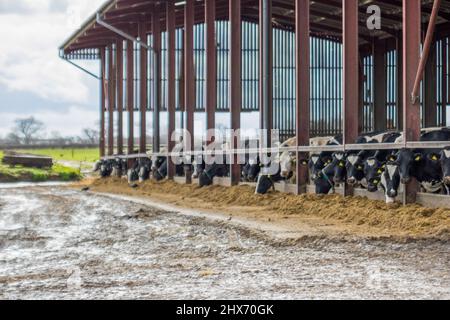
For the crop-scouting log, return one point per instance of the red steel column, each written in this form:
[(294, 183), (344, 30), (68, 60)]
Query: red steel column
[(211, 63), (119, 86), (302, 86), (399, 48), (266, 67), (111, 100), (102, 101), (235, 81), (130, 95), (444, 82), (156, 30), (171, 109), (351, 73), (411, 57), (143, 87), (189, 80)]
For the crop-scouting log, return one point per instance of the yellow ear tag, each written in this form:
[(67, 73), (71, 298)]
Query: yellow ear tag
[(418, 158), (383, 166), (434, 158)]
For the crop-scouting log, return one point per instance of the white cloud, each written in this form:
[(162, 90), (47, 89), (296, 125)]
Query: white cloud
[(30, 38)]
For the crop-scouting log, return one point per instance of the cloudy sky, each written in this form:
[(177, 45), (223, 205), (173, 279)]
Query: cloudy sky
[(33, 79)]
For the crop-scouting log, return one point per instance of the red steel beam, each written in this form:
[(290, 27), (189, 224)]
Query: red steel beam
[(119, 86), (171, 108), (102, 101), (235, 81), (302, 87), (350, 73), (426, 50), (143, 93), (189, 83), (130, 95), (411, 57), (211, 63), (111, 101)]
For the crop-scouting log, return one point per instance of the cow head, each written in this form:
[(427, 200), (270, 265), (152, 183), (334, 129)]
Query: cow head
[(407, 160), (97, 166), (333, 173), (160, 173), (251, 170), (339, 167), (316, 164), (117, 168), (445, 164), (211, 171), (390, 181), (355, 169), (287, 164), (106, 168), (156, 162), (199, 166), (145, 165), (133, 174), (267, 181), (373, 170)]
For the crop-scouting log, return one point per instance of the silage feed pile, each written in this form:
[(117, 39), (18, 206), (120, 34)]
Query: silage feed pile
[(411, 220)]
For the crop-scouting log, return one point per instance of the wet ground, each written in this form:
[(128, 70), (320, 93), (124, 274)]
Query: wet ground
[(57, 243)]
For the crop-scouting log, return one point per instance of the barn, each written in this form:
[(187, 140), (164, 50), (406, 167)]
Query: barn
[(304, 68)]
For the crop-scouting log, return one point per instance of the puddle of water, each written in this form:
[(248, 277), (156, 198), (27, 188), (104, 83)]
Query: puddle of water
[(63, 244)]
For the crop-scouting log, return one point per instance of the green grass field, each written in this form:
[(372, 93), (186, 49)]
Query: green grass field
[(77, 155), (56, 173)]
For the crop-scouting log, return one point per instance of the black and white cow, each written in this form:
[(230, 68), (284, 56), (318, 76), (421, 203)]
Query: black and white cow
[(105, 167), (390, 181), (356, 164), (119, 167), (251, 169), (145, 168), (373, 169), (160, 173), (216, 166), (133, 172), (286, 163), (445, 164), (425, 165), (330, 176)]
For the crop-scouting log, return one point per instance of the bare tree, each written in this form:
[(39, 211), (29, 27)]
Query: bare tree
[(13, 138), (28, 129), (91, 135)]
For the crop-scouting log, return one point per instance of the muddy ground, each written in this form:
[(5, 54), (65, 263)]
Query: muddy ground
[(61, 243), (308, 214)]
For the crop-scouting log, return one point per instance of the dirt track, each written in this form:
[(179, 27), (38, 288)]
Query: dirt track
[(61, 243)]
